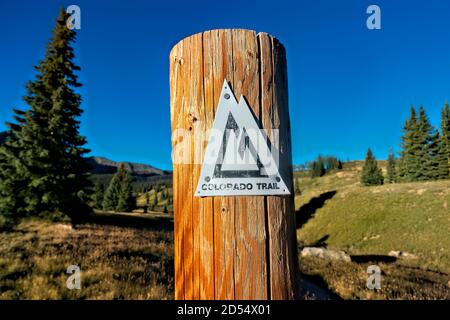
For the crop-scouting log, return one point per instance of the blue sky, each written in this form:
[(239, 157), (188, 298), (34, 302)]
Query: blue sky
[(350, 88)]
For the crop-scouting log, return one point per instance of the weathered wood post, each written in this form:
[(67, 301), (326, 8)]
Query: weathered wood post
[(230, 247)]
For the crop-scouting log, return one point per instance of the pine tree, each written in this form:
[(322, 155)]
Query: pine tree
[(119, 195), (427, 146), (433, 156), (371, 174), (443, 167), (391, 168), (126, 201), (98, 195), (42, 166), (111, 198), (445, 129), (410, 149)]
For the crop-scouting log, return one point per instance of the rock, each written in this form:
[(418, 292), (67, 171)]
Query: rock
[(324, 253), (406, 255), (402, 255), (394, 254)]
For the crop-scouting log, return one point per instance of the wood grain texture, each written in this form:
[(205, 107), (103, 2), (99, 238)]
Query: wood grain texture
[(176, 108), (206, 225), (250, 232), (279, 209), (241, 247)]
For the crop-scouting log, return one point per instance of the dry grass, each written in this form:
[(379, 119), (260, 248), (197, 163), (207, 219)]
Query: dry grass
[(116, 262), (398, 281)]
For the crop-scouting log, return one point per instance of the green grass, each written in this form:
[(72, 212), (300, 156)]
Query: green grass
[(411, 217)]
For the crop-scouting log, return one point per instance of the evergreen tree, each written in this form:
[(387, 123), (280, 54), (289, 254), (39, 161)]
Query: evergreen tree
[(409, 163), (42, 168), (391, 168), (445, 129), (119, 195), (98, 195), (427, 147), (111, 198), (433, 156), (443, 167), (126, 201), (371, 174)]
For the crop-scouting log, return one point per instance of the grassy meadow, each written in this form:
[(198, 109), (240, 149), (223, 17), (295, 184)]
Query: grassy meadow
[(130, 255), (410, 217), (121, 257), (335, 211)]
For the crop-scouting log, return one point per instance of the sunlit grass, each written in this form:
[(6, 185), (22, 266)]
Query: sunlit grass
[(115, 262)]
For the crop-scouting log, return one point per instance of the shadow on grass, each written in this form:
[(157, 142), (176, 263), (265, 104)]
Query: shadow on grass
[(322, 242), (307, 211), (372, 258), (315, 287), (157, 223)]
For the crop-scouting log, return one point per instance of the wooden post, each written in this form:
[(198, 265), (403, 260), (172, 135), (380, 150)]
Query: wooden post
[(234, 247)]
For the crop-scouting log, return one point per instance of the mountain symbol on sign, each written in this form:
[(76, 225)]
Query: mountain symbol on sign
[(238, 160), (237, 153)]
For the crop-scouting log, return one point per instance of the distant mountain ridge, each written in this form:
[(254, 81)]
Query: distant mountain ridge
[(102, 165)]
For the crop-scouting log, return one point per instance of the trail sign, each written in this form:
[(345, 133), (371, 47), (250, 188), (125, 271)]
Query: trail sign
[(238, 160)]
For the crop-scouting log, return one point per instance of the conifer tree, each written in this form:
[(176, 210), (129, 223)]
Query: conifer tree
[(98, 195), (443, 167), (445, 130), (112, 193), (126, 201), (42, 168), (371, 174), (119, 195), (391, 168), (432, 165), (427, 149), (409, 163)]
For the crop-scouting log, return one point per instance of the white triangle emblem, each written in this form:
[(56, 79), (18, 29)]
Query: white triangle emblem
[(238, 160)]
